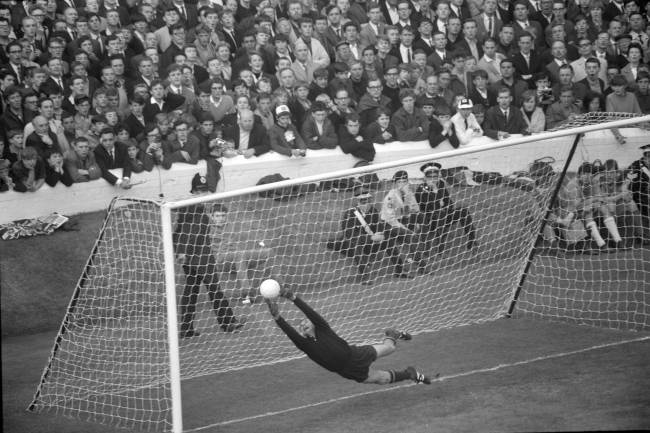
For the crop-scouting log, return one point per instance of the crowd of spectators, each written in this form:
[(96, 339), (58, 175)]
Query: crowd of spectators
[(89, 86)]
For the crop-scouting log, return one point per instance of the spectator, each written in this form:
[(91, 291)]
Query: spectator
[(543, 91), (620, 100), (352, 142), (138, 160), (13, 146), (592, 80), (80, 162), (503, 119), (491, 60), (562, 111), (161, 101), (480, 93), (409, 121), (184, 148), (465, 124), (6, 182), (318, 131), (381, 131), (441, 128), (635, 59), (111, 155), (284, 137), (642, 92), (565, 79), (28, 173), (249, 137), (533, 115), (55, 170), (42, 139)]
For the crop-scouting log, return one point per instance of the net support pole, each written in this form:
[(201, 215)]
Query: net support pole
[(172, 325), (531, 255)]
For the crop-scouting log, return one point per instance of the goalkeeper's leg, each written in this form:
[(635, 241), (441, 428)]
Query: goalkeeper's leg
[(384, 377)]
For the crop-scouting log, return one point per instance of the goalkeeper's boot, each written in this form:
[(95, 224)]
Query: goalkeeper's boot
[(234, 325), (418, 377), (398, 335)]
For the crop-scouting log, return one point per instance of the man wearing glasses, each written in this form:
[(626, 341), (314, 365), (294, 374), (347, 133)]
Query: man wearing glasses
[(370, 101)]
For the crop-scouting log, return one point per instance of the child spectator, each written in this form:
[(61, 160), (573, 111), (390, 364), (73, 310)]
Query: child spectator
[(352, 142), (80, 162), (28, 173), (642, 92), (14, 146), (620, 100), (123, 136), (381, 131), (319, 84), (442, 128), (533, 115), (301, 105), (6, 183), (409, 121), (138, 160), (284, 137), (479, 113), (543, 90), (465, 123), (55, 170), (263, 110), (480, 93), (317, 130), (562, 111)]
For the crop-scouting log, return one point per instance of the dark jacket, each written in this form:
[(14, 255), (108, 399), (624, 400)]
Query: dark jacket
[(363, 149), (258, 140)]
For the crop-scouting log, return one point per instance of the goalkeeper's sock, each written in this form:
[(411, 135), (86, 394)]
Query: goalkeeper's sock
[(610, 223), (595, 234), (398, 376)]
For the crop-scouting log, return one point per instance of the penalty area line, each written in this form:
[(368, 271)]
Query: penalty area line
[(406, 385)]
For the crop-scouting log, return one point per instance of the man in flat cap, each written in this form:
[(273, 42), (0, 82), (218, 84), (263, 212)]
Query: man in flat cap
[(438, 210)]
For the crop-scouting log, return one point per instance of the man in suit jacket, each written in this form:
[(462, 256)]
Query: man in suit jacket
[(108, 5), (440, 54), (468, 41), (488, 24), (503, 119), (389, 11), (249, 138), (523, 24), (15, 66), (526, 61), (187, 12), (184, 147), (458, 9), (424, 41), (111, 155), (613, 9), (373, 28), (559, 59)]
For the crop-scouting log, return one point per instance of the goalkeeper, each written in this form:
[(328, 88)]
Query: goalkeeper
[(327, 349)]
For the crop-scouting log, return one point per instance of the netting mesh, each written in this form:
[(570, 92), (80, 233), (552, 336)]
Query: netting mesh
[(459, 262)]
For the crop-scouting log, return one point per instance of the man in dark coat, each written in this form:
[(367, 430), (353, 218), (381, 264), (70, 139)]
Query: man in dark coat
[(193, 247), (438, 210)]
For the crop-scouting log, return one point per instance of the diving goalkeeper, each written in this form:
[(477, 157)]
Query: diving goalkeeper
[(327, 349)]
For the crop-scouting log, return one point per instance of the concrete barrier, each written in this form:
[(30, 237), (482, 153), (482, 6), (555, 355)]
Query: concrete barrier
[(239, 172)]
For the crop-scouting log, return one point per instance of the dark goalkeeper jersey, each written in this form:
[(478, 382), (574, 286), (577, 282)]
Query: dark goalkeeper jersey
[(328, 349)]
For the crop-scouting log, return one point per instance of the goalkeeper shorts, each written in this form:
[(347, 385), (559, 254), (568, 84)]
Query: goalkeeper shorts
[(357, 367)]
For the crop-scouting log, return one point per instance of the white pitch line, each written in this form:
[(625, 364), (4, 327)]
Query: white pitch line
[(439, 379)]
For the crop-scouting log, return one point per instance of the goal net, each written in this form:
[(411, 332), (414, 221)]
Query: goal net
[(492, 231)]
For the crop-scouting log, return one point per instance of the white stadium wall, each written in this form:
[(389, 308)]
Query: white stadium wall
[(239, 172)]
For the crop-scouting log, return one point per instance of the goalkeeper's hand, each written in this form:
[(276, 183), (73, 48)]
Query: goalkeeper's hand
[(273, 308)]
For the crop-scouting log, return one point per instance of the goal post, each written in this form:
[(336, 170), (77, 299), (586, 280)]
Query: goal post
[(169, 291)]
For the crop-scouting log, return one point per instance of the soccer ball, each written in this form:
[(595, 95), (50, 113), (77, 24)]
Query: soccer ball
[(270, 289)]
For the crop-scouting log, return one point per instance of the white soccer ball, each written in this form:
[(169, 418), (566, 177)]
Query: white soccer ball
[(270, 289)]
